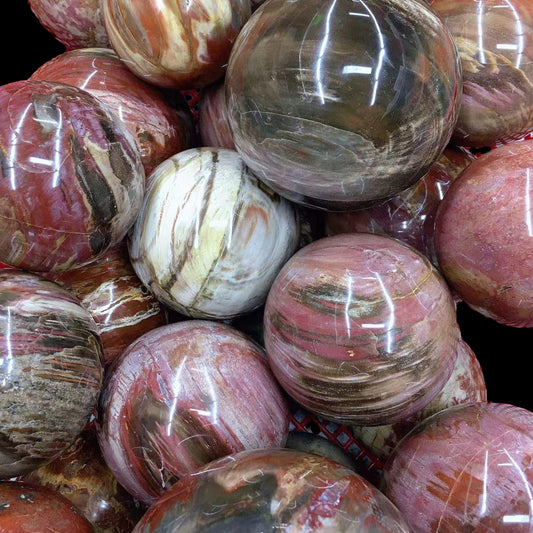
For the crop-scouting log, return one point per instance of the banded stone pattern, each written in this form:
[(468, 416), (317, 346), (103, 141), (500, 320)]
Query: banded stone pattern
[(117, 300), (468, 468), (71, 178), (273, 490), (409, 216), (210, 238), (466, 385), (213, 121), (483, 235), (184, 395), (180, 45), (321, 116), (50, 371), (361, 329), (25, 508), (75, 23), (160, 129), (81, 475), (495, 43)]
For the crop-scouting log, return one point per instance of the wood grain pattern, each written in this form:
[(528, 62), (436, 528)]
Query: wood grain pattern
[(50, 371)]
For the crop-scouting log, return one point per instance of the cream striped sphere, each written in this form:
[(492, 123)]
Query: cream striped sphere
[(211, 238)]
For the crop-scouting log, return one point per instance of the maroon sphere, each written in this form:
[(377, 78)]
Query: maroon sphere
[(183, 395), (159, 129), (484, 235), (467, 468), (361, 329), (71, 179)]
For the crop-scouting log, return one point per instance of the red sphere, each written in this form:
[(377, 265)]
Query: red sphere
[(71, 179), (27, 509), (484, 234)]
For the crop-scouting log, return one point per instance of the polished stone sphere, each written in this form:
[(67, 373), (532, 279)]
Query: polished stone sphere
[(466, 469), (340, 104), (495, 44), (360, 329), (273, 490)]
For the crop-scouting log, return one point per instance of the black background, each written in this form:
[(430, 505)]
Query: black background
[(504, 352)]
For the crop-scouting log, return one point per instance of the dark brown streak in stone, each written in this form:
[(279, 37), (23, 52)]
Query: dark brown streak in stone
[(235, 220), (99, 196), (323, 299), (201, 216)]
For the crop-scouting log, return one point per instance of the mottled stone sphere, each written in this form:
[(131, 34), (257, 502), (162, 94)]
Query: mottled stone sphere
[(409, 216), (81, 475), (121, 306), (75, 23), (340, 104), (179, 45), (466, 385), (495, 44), (160, 130), (361, 329), (466, 469), (211, 238), (50, 371), (71, 178), (26, 508), (273, 490), (183, 395), (213, 121), (484, 235)]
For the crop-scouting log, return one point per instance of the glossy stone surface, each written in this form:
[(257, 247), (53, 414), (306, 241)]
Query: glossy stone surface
[(50, 371), (179, 45), (121, 306), (210, 238), (495, 43), (360, 329), (184, 395), (341, 104), (159, 130), (213, 121), (273, 490), (75, 23), (484, 235), (466, 385), (466, 469), (81, 475), (409, 216), (71, 179), (28, 509)]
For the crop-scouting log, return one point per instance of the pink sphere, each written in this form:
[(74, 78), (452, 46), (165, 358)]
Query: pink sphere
[(484, 235), (159, 129), (75, 23), (361, 329), (183, 395), (467, 468)]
